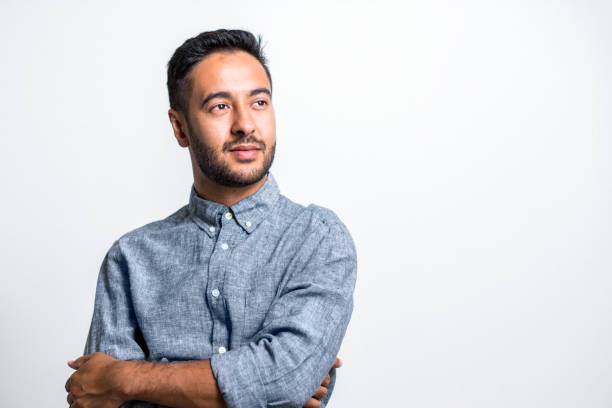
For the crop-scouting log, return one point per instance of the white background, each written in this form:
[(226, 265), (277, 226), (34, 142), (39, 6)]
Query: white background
[(466, 145)]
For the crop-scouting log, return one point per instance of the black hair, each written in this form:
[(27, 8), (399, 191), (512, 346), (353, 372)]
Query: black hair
[(199, 47)]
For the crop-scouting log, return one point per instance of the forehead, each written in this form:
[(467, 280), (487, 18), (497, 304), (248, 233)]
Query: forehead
[(230, 71)]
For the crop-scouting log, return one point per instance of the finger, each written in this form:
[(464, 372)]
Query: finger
[(326, 381), (312, 403), (70, 399), (76, 364), (337, 363), (68, 384), (321, 392)]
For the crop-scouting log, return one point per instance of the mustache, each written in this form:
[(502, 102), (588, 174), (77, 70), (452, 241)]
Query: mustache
[(250, 139)]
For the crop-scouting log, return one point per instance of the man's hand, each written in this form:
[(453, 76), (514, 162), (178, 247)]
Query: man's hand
[(315, 400), (95, 384), (102, 381)]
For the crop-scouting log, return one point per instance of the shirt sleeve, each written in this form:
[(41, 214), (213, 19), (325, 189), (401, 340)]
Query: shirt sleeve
[(114, 330), (288, 358)]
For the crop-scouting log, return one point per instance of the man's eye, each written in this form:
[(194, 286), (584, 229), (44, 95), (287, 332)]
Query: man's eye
[(261, 103), (220, 106)]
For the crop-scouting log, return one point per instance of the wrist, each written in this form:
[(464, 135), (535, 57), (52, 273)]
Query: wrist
[(125, 379)]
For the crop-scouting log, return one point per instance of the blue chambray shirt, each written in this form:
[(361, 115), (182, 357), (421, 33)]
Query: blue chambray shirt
[(263, 288)]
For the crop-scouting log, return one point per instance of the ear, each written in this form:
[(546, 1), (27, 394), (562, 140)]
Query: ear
[(179, 126)]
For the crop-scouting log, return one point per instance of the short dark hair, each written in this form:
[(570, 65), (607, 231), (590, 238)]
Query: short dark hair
[(199, 47)]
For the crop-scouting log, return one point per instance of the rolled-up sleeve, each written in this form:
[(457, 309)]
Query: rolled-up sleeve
[(114, 329), (286, 361)]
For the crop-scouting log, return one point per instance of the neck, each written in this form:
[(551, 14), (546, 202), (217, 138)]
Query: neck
[(211, 191)]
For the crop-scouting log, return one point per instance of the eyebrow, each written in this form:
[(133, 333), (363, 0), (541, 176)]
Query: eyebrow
[(259, 91), (224, 94)]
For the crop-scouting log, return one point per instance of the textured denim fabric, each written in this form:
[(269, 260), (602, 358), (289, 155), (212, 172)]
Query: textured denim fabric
[(264, 289)]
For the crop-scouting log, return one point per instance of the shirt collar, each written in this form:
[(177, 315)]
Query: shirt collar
[(248, 212)]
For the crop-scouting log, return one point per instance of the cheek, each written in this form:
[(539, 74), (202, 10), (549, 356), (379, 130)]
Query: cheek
[(269, 124), (211, 133)]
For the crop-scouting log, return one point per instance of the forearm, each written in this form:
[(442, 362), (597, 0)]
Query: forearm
[(185, 384)]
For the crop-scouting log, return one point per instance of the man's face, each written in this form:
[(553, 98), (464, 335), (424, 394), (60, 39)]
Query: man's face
[(230, 119)]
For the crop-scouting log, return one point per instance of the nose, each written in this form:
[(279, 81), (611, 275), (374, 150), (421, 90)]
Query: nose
[(243, 122)]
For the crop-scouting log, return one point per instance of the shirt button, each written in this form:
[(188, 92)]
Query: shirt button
[(211, 228), (222, 350), (248, 224), (228, 215), (224, 246), (215, 292)]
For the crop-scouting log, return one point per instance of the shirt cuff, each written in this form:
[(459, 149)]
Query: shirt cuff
[(238, 380)]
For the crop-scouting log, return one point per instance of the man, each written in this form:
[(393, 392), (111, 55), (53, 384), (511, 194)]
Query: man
[(240, 298)]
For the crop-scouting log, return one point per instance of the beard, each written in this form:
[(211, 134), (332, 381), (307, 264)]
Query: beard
[(213, 165)]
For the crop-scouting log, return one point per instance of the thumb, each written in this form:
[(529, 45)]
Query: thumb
[(76, 364)]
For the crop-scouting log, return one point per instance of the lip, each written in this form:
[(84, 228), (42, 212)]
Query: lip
[(245, 153), (244, 148)]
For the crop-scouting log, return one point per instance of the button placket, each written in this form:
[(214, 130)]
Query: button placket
[(217, 264), (227, 221), (223, 246)]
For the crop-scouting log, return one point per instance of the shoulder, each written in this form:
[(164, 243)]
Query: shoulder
[(336, 232), (316, 221), (289, 209), (325, 251), (323, 215), (153, 231)]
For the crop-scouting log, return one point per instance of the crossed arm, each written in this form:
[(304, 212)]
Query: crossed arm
[(104, 382), (282, 365)]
